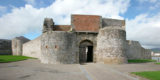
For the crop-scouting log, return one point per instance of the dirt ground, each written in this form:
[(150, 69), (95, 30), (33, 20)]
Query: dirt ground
[(32, 69)]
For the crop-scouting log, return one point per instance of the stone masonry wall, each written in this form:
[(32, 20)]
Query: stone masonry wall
[(145, 53), (107, 22), (58, 47), (133, 50), (17, 45), (5, 47), (32, 48), (111, 47), (136, 51)]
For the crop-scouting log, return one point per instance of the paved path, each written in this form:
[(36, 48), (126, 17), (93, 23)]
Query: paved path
[(102, 72), (34, 70)]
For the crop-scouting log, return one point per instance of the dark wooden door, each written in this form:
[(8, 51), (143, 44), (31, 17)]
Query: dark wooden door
[(82, 54)]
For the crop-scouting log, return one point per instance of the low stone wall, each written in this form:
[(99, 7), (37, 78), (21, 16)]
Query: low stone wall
[(135, 51), (5, 47), (32, 48)]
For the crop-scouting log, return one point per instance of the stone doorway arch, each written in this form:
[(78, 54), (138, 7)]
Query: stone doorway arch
[(85, 51)]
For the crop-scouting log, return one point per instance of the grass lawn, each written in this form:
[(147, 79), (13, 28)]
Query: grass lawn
[(151, 75), (141, 60), (157, 63), (11, 58)]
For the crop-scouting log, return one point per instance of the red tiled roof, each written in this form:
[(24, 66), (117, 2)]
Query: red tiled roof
[(86, 22)]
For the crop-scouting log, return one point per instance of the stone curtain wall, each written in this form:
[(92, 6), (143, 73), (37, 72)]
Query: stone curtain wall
[(17, 45), (145, 53), (32, 48), (148, 54), (135, 51), (58, 47), (111, 46), (5, 47)]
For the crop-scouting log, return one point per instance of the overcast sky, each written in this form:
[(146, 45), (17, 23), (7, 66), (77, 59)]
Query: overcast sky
[(25, 17)]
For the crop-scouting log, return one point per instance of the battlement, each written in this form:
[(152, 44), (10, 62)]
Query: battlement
[(83, 23)]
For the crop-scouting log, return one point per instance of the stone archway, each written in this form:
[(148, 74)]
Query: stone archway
[(85, 51)]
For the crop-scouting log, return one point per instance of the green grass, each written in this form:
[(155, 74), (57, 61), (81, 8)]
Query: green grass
[(157, 63), (140, 60), (151, 75), (11, 58)]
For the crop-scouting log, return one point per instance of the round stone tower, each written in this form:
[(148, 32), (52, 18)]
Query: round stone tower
[(111, 43)]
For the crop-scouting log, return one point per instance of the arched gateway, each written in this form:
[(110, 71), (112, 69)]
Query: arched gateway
[(86, 51)]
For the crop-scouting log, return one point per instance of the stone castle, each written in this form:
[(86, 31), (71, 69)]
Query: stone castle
[(89, 38)]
